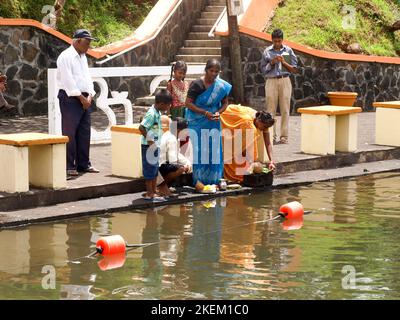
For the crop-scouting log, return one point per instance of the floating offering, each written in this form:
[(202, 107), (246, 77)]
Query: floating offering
[(234, 186), (210, 188)]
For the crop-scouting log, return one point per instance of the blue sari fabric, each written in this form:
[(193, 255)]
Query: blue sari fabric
[(205, 135)]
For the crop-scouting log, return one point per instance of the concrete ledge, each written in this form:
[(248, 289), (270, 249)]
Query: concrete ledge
[(37, 197), (133, 201)]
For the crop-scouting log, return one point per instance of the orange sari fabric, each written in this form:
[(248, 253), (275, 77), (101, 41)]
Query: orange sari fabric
[(238, 120)]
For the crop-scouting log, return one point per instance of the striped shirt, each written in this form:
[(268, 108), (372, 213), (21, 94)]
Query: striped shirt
[(152, 123)]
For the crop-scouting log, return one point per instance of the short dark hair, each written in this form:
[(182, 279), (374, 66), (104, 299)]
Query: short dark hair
[(181, 123), (265, 117), (277, 34), (163, 96)]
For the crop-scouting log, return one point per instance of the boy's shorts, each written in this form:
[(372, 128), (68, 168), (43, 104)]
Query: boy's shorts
[(150, 169), (167, 168)]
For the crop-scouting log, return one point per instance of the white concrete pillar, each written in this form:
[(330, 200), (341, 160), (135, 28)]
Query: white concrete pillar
[(346, 132), (126, 154), (387, 126), (47, 166), (318, 134), (14, 176)]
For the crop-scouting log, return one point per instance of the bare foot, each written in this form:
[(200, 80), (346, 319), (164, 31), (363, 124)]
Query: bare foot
[(164, 191)]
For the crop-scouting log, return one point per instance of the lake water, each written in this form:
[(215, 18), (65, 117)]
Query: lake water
[(347, 248)]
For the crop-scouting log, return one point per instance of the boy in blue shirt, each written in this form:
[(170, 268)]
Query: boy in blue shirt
[(151, 130)]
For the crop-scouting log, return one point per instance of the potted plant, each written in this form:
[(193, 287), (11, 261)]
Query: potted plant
[(345, 99)]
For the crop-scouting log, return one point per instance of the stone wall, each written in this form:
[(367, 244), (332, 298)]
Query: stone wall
[(26, 53), (315, 77)]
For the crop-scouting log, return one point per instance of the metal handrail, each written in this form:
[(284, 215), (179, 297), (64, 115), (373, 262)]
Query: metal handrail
[(144, 41), (211, 33)]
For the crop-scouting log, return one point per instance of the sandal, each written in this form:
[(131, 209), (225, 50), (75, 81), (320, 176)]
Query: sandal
[(283, 141), (146, 198)]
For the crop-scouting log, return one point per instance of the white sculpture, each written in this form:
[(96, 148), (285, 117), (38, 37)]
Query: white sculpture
[(104, 103)]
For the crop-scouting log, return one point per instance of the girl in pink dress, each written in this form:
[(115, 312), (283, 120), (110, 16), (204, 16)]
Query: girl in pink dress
[(178, 88)]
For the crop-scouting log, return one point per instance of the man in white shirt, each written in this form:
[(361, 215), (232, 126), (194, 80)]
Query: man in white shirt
[(172, 162), (76, 98)]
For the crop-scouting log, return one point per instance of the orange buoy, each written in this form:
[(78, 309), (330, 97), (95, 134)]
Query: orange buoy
[(292, 210), (112, 261), (111, 245), (292, 224)]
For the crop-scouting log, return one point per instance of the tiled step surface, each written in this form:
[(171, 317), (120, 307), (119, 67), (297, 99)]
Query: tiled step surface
[(203, 43), (195, 51), (197, 58)]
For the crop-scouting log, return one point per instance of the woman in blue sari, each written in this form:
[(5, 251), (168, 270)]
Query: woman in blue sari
[(207, 98)]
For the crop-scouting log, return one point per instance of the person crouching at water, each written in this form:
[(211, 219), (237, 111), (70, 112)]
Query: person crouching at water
[(239, 155), (172, 162)]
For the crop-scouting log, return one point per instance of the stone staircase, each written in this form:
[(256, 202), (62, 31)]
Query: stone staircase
[(198, 47)]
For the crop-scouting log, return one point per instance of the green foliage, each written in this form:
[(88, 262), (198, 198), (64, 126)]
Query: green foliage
[(318, 24), (108, 20)]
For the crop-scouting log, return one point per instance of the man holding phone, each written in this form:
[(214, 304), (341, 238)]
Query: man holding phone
[(277, 63)]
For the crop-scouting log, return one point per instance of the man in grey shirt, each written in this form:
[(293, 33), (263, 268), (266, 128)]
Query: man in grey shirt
[(278, 62)]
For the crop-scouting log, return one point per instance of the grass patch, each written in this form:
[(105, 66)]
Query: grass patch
[(108, 20), (320, 24)]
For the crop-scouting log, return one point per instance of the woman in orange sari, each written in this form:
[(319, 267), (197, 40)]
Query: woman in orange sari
[(242, 127)]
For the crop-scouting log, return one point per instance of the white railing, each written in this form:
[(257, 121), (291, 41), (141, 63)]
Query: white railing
[(211, 33), (144, 41), (103, 102)]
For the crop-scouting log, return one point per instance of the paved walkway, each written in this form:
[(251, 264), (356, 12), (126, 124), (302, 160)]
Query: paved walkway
[(133, 202), (101, 154), (101, 158)]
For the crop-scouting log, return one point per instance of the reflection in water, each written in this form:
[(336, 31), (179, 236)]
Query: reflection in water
[(152, 266), (219, 250), (113, 261)]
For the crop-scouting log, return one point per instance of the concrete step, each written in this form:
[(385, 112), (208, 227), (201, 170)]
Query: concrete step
[(201, 28), (203, 43), (206, 22), (210, 15), (199, 36), (217, 3), (199, 51), (145, 101), (197, 58), (214, 9)]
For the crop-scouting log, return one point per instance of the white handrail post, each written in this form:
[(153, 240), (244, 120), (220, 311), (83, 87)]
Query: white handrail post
[(53, 103)]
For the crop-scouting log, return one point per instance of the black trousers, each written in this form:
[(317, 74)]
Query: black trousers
[(76, 125)]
